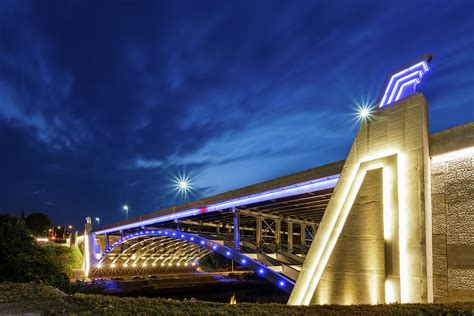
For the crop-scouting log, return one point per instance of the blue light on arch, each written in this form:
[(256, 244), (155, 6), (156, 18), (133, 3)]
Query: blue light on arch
[(263, 271)]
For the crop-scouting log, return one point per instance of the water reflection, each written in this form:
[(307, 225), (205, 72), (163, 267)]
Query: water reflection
[(225, 290)]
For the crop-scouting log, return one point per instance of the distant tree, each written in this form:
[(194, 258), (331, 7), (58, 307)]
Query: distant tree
[(5, 218), (38, 223), (22, 216)]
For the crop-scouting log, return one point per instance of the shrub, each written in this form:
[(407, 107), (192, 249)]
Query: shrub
[(23, 259)]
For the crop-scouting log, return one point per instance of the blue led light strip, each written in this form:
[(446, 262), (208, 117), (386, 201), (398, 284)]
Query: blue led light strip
[(300, 188), (263, 271)]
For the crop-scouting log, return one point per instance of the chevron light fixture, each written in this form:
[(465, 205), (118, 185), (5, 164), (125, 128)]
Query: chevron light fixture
[(403, 82)]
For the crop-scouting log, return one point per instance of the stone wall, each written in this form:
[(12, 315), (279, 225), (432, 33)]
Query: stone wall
[(452, 195)]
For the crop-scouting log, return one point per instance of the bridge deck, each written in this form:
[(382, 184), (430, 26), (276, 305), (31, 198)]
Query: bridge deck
[(307, 206)]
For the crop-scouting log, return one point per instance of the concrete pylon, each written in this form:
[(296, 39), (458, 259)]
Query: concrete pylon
[(371, 245), (91, 248)]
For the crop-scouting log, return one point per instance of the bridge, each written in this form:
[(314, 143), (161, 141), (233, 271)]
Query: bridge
[(267, 228), (370, 229)]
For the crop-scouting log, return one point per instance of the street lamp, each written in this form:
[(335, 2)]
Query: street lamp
[(125, 208), (364, 112), (98, 221), (183, 186)]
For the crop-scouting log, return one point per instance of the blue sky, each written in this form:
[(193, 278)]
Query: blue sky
[(102, 102)]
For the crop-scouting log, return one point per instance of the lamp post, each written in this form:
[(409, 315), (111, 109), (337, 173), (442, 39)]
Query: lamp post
[(98, 221), (183, 186), (125, 208)]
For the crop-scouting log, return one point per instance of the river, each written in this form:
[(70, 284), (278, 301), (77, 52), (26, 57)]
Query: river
[(198, 286)]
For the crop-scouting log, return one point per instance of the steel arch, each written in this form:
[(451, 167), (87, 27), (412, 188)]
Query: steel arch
[(261, 270)]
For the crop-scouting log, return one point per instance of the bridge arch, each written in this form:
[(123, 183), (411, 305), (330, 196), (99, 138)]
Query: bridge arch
[(260, 269)]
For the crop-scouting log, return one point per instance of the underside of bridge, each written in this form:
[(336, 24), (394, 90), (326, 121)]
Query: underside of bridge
[(268, 228)]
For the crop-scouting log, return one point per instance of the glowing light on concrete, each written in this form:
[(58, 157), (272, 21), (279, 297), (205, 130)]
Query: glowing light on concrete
[(390, 292), (387, 203), (319, 259), (457, 154), (402, 227), (87, 259)]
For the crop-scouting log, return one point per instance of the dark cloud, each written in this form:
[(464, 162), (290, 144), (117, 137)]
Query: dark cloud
[(101, 102)]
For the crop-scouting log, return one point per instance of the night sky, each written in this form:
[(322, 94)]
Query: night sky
[(103, 102)]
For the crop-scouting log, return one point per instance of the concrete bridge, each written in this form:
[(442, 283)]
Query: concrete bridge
[(388, 224)]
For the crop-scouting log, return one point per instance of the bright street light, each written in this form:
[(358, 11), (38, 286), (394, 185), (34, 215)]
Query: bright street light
[(98, 221), (364, 112), (183, 186), (125, 208)]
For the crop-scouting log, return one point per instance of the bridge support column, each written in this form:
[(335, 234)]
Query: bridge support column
[(259, 231), (303, 238), (91, 248), (106, 241), (278, 234), (236, 229), (290, 237)]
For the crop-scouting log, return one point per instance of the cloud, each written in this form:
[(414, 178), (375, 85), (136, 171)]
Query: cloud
[(148, 164), (262, 147), (102, 102)]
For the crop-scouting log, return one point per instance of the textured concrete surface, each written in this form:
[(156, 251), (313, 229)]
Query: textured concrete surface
[(453, 216)]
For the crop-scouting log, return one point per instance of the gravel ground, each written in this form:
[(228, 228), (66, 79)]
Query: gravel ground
[(34, 299)]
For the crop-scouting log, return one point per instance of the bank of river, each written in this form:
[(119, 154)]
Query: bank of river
[(198, 286)]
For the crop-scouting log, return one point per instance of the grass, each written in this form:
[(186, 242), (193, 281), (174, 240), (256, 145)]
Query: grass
[(68, 258), (38, 298)]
